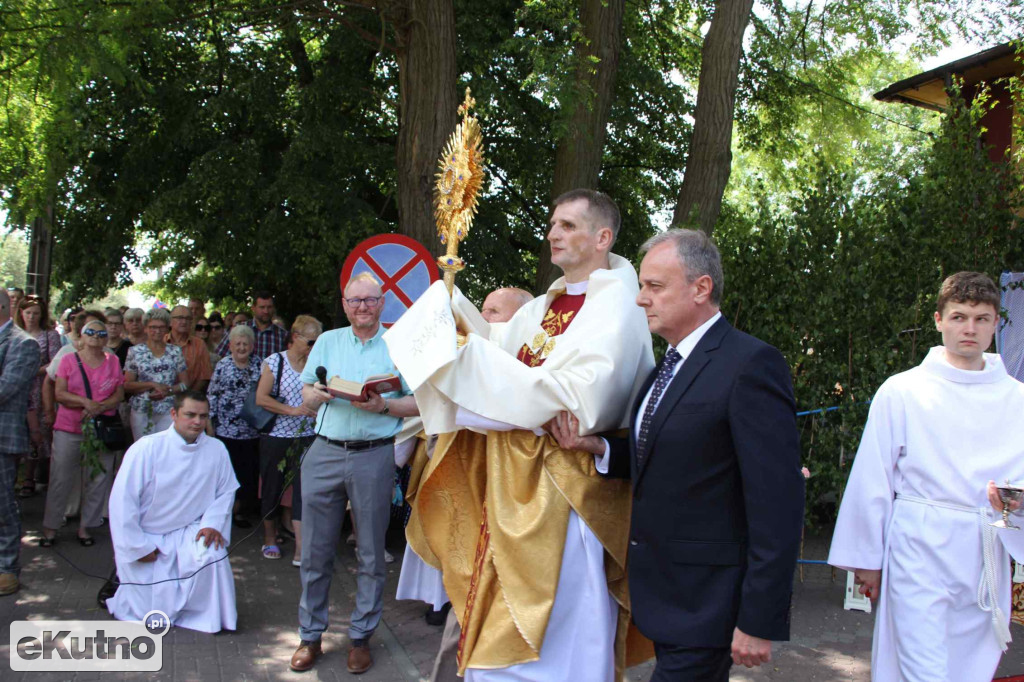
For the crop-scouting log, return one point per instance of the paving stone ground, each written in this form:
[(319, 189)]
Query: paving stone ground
[(828, 643)]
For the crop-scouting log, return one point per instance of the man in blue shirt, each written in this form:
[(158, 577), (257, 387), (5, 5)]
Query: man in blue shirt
[(352, 460)]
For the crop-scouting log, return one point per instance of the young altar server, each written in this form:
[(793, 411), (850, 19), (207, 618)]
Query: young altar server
[(170, 514), (914, 521)]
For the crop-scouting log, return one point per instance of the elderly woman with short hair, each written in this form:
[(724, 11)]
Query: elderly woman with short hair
[(229, 386), (153, 372), (134, 326)]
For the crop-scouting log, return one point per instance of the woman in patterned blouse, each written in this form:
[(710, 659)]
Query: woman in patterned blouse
[(153, 372), (228, 389)]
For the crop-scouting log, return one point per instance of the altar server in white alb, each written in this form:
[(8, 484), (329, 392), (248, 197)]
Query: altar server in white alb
[(914, 521), (170, 514)]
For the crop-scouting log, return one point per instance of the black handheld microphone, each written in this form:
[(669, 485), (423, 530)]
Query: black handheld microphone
[(321, 374)]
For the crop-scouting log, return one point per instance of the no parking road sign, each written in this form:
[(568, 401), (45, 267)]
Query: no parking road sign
[(403, 265)]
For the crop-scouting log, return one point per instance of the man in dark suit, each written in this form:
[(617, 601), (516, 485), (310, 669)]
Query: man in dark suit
[(19, 365), (714, 456)]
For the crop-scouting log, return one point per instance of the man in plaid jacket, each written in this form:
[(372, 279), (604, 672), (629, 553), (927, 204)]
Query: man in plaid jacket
[(19, 364)]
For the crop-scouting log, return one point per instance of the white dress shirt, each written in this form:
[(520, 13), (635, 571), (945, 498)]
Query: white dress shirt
[(685, 348)]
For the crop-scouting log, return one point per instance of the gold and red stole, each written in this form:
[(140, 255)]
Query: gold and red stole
[(556, 320), (491, 511)]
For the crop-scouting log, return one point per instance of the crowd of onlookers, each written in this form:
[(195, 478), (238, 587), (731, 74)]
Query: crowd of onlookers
[(108, 377)]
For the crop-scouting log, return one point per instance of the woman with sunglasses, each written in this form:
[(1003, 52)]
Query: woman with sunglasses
[(89, 383), (217, 330), (292, 431), (202, 332), (153, 373), (32, 316)]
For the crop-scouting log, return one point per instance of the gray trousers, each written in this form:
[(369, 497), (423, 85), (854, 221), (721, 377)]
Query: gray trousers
[(65, 470), (331, 477)]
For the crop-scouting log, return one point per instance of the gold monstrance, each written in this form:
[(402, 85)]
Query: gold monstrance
[(460, 176)]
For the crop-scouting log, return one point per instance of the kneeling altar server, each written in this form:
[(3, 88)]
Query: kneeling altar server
[(170, 516)]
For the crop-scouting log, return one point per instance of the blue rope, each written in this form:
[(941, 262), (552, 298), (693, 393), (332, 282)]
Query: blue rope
[(823, 410)]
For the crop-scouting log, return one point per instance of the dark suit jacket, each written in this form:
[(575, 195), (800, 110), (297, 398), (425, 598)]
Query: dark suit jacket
[(19, 365), (718, 500)]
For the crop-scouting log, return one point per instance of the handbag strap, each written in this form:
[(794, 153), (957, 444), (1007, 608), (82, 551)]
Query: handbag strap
[(280, 371), (85, 377)]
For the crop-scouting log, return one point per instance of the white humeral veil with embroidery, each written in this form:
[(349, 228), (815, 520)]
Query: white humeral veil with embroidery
[(594, 371)]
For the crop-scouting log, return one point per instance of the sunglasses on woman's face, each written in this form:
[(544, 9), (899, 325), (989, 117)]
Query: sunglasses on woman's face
[(102, 333), (202, 327)]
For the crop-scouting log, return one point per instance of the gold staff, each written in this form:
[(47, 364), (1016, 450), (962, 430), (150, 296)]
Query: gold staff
[(459, 178)]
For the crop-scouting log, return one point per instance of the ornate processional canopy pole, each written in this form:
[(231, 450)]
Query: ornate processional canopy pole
[(459, 178)]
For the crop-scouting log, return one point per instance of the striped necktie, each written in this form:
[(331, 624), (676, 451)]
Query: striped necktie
[(668, 365)]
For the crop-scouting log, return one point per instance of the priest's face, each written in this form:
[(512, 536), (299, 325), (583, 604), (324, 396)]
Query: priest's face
[(967, 330), (363, 303), (577, 245), (190, 420), (674, 306)]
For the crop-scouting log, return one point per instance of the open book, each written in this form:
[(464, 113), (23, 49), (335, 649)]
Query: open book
[(360, 392)]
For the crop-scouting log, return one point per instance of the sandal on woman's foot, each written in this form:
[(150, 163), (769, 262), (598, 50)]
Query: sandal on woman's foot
[(296, 563), (47, 542), (271, 552), (86, 542)]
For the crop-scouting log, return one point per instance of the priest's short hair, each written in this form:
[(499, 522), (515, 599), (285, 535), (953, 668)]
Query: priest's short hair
[(600, 207)]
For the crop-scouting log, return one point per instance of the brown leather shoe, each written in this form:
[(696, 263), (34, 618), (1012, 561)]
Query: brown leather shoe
[(359, 659), (305, 656), (8, 583)]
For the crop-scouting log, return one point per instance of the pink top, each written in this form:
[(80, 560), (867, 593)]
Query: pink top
[(103, 380)]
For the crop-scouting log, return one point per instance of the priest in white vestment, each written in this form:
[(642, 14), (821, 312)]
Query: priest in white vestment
[(914, 521), (531, 611), (170, 520)]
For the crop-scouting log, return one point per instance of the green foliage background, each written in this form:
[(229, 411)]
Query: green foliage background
[(245, 146)]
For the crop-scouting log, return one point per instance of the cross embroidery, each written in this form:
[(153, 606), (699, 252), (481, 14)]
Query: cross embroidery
[(668, 364)]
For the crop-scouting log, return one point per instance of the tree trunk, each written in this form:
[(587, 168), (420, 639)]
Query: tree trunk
[(710, 157), (578, 154), (425, 36)]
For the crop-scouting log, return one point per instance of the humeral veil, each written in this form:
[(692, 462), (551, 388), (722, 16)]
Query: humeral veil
[(491, 509)]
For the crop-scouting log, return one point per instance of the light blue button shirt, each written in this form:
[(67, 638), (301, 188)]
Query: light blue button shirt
[(344, 355)]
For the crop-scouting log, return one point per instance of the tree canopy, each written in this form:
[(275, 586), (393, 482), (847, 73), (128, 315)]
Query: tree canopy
[(243, 146)]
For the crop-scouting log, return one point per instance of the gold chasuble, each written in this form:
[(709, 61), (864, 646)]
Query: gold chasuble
[(491, 509)]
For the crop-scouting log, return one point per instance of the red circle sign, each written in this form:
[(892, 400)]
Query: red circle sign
[(404, 267)]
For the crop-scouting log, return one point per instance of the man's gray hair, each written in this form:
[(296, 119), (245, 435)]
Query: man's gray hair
[(698, 255), (133, 313), (158, 314), (242, 330)]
